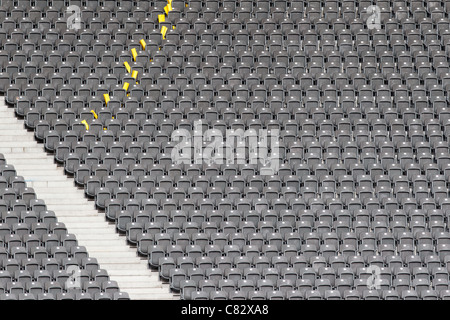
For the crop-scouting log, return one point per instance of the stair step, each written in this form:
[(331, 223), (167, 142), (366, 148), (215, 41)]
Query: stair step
[(24, 161), (136, 284), (97, 224), (115, 255), (14, 123), (43, 178), (62, 213), (4, 120), (9, 138), (37, 156), (43, 175), (15, 149), (94, 223), (114, 260), (23, 144), (81, 215), (42, 164), (103, 234), (100, 219), (59, 196), (52, 184), (95, 248), (124, 266), (88, 236), (144, 295), (47, 167), (119, 272), (106, 243)]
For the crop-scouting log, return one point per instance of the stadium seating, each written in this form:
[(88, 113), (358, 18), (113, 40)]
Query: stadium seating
[(39, 258), (359, 207)]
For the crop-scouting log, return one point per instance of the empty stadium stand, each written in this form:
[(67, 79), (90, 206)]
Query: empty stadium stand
[(359, 92), (71, 208), (39, 258)]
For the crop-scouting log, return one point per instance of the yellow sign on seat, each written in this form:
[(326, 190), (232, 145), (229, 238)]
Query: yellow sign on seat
[(143, 44), (168, 8), (85, 124), (127, 66), (95, 115), (164, 31), (134, 53), (107, 98)]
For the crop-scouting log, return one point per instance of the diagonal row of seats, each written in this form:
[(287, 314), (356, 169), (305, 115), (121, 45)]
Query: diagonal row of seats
[(39, 258), (361, 111)]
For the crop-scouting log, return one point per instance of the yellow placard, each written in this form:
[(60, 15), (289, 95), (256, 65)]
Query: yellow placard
[(161, 18), (85, 124), (134, 74), (125, 86), (173, 27), (168, 8), (134, 53), (143, 44), (107, 98), (169, 1), (95, 115), (127, 66), (164, 31)]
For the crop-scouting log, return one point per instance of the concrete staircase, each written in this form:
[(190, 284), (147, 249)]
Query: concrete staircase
[(77, 212)]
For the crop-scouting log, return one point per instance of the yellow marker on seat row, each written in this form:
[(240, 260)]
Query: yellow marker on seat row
[(127, 66), (85, 124), (168, 8), (143, 44), (134, 74), (134, 53), (126, 85), (95, 115), (164, 31), (161, 18), (169, 1), (107, 98)]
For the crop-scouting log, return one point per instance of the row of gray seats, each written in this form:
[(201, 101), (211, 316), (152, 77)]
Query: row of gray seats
[(317, 295)]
